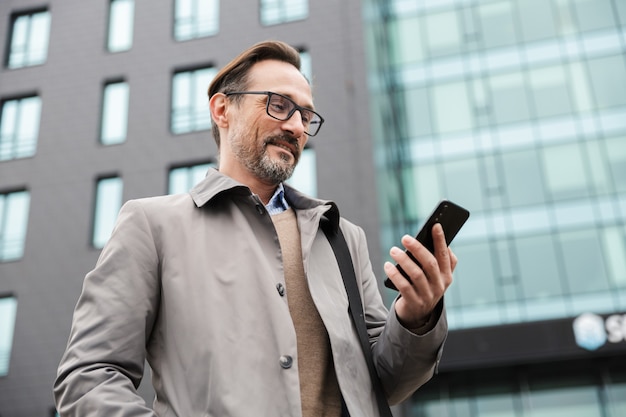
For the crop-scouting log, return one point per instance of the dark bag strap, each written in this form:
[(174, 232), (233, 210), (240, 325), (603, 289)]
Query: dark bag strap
[(344, 260)]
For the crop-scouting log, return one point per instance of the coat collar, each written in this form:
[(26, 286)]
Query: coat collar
[(216, 185)]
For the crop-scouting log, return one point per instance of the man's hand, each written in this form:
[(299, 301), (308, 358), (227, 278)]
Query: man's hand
[(427, 284)]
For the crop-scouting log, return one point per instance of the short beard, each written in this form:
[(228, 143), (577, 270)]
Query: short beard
[(257, 160)]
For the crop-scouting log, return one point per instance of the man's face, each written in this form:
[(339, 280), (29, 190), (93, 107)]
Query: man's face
[(266, 147)]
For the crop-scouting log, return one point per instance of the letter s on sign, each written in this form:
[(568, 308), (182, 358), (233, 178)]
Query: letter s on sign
[(616, 328)]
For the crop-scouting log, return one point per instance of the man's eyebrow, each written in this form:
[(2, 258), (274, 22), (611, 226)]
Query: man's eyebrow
[(309, 105)]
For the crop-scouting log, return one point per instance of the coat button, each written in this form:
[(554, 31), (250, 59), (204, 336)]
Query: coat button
[(260, 209), (281, 289), (286, 361)]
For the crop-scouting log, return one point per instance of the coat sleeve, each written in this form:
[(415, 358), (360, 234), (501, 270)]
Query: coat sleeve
[(103, 364), (404, 361)]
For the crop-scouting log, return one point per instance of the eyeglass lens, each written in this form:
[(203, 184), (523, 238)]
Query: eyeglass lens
[(282, 108)]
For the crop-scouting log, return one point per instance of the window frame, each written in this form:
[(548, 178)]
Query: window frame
[(4, 221), (189, 175), (15, 142), (192, 110), (10, 333), (113, 19), (96, 240), (283, 11), (194, 22), (104, 114), (27, 47)]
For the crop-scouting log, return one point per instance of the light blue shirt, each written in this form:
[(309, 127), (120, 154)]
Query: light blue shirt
[(277, 204)]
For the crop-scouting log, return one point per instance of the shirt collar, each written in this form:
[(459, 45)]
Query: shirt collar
[(277, 203)]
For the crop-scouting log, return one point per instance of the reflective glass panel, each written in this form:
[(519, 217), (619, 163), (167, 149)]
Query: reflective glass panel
[(537, 19), (584, 264), (523, 179), (608, 79), (498, 25), (443, 33), (565, 402), (566, 174), (451, 107), (594, 14), (550, 92)]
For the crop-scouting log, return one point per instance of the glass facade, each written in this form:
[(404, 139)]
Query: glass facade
[(19, 127), (14, 207), (600, 392), (274, 12), (196, 19), (107, 205), (516, 110), (29, 39), (121, 17), (190, 109)]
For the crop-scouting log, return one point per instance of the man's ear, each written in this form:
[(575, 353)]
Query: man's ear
[(218, 104)]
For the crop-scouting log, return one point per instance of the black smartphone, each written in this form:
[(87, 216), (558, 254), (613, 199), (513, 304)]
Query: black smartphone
[(451, 216)]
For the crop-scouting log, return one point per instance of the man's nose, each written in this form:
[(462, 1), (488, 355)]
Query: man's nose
[(294, 124)]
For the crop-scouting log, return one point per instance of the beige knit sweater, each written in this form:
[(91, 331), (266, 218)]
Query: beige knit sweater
[(318, 383)]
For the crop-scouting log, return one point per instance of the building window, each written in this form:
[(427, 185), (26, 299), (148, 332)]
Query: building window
[(121, 14), (29, 39), (306, 66), (19, 127), (304, 177), (114, 113), (13, 224), (183, 179), (274, 12), (196, 19), (108, 204), (8, 310), (190, 108)]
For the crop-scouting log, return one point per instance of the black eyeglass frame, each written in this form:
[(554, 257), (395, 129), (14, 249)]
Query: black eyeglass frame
[(295, 107)]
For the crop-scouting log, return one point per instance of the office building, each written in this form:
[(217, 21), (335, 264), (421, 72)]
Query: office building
[(515, 109), (106, 101)]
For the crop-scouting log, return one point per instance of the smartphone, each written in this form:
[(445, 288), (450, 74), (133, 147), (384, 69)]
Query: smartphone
[(451, 216)]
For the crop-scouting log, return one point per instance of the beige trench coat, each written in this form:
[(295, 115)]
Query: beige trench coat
[(191, 282)]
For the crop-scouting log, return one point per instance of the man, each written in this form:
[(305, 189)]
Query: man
[(232, 292)]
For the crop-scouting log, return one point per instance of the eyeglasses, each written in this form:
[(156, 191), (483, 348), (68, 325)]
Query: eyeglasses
[(282, 108)]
